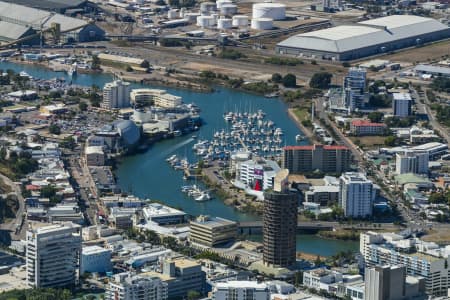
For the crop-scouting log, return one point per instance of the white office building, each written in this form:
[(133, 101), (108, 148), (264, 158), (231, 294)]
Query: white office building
[(116, 95), (421, 259), (354, 88), (402, 104), (356, 194), (125, 286), (163, 215), (95, 259), (53, 255), (159, 98), (411, 162), (241, 290), (257, 174)]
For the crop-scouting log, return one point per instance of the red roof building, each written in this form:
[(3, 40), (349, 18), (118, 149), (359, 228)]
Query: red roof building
[(365, 127)]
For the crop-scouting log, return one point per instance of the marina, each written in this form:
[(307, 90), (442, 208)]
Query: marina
[(244, 132), (148, 174)]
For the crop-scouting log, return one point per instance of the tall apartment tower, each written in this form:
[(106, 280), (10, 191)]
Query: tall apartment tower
[(53, 255), (116, 94), (385, 283), (355, 194), (411, 162), (402, 104), (280, 224), (354, 88)]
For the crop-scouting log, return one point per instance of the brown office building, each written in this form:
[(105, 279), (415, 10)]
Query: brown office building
[(279, 228), (327, 159)]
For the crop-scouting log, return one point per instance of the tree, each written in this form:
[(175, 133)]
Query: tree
[(95, 65), (277, 78), (129, 68), (68, 143), (54, 129), (321, 80), (193, 295), (390, 141), (82, 106), (375, 116), (379, 100), (290, 80)]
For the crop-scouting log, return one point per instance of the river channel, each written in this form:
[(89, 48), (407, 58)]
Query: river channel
[(148, 175)]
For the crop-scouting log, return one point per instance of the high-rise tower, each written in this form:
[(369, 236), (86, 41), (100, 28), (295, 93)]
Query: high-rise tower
[(280, 223)]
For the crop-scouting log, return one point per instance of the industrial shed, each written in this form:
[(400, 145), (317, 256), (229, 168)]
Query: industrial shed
[(348, 42), (58, 6), (72, 29), (11, 32)]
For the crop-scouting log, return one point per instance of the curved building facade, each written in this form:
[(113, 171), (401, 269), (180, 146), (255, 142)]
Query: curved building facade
[(279, 228)]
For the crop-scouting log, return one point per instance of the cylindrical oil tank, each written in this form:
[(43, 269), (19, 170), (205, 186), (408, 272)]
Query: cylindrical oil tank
[(262, 24), (206, 21), (219, 3), (172, 14), (192, 17), (207, 7), (240, 21), (275, 11), (182, 12), (228, 9), (224, 23)]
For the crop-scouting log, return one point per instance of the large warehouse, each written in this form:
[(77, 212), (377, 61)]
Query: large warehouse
[(58, 6), (365, 38), (16, 18)]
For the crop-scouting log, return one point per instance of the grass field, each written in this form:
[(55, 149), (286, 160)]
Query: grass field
[(302, 113), (368, 141)]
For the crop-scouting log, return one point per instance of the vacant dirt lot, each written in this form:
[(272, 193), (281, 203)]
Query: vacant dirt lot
[(422, 54)]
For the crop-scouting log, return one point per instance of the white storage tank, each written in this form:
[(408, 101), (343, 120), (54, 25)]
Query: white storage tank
[(224, 23), (219, 3), (228, 9), (240, 21), (206, 21), (207, 7), (275, 11), (191, 17), (262, 24), (182, 12), (172, 14)]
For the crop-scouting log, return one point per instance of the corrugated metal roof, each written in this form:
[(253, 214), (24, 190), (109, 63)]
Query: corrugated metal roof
[(10, 32), (351, 37), (433, 69), (49, 4), (23, 15)]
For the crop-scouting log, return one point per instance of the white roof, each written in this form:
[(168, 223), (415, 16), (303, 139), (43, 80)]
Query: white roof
[(9, 31), (364, 34), (94, 150), (19, 14), (156, 209), (93, 250), (402, 96), (241, 284)]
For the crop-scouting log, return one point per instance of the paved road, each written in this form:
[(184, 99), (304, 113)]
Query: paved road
[(425, 107), (17, 226), (80, 175), (322, 114)]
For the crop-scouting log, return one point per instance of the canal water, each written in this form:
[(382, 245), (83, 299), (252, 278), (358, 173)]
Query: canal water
[(148, 175)]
